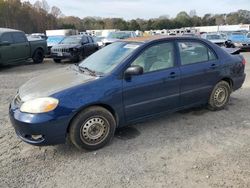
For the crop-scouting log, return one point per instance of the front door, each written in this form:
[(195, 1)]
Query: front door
[(157, 89), (21, 47), (6, 51)]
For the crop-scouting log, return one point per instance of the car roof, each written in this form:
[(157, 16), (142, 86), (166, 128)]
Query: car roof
[(4, 30), (147, 39)]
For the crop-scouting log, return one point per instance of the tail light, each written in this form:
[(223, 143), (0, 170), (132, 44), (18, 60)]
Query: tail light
[(244, 61)]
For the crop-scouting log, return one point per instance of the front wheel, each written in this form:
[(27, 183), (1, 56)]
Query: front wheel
[(57, 60), (38, 56), (92, 128), (219, 96)]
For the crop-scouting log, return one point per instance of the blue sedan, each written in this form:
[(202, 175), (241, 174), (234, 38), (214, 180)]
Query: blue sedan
[(124, 83)]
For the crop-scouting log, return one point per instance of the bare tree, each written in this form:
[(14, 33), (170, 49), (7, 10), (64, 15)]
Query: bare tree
[(42, 5), (192, 13), (38, 5), (55, 11), (45, 5)]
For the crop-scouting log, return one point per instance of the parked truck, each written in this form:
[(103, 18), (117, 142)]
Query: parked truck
[(16, 47)]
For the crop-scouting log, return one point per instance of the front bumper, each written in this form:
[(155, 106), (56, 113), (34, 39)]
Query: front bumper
[(39, 129)]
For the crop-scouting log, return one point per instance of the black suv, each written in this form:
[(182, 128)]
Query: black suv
[(74, 47)]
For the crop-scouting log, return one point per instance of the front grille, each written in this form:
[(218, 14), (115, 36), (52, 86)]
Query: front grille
[(61, 50)]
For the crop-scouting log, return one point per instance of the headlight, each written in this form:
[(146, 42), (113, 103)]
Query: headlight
[(39, 105), (238, 44)]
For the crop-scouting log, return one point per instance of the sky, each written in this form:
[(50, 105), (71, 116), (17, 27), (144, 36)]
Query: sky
[(132, 9)]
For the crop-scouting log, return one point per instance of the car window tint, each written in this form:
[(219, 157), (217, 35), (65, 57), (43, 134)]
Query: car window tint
[(158, 57), (7, 38), (85, 39), (19, 37), (194, 52)]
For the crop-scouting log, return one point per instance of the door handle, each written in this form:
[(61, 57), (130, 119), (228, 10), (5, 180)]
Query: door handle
[(213, 66), (172, 75)]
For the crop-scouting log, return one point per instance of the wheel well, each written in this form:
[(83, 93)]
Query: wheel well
[(229, 81), (105, 106), (39, 48)]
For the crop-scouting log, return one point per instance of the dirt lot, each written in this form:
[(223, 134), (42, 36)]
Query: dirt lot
[(194, 148)]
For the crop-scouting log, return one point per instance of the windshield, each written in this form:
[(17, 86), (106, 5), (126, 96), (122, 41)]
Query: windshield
[(106, 59), (238, 34), (71, 40), (213, 37), (55, 39), (119, 35), (248, 35)]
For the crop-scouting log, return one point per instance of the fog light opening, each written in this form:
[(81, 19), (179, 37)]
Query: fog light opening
[(37, 137)]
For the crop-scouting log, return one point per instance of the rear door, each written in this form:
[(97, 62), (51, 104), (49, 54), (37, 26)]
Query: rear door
[(157, 89), (6, 51), (200, 71), (86, 46), (21, 47)]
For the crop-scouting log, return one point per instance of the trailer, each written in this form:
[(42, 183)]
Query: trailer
[(61, 32)]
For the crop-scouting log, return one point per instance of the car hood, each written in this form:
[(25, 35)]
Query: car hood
[(65, 46), (53, 82)]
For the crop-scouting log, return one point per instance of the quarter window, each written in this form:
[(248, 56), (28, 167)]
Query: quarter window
[(7, 38), (158, 57), (19, 38), (195, 52)]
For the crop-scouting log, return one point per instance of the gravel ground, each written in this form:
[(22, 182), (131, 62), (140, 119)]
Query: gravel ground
[(192, 148)]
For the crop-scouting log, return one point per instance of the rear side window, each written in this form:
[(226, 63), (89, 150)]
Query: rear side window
[(90, 39), (195, 52), (157, 57), (19, 37), (84, 40), (7, 38)]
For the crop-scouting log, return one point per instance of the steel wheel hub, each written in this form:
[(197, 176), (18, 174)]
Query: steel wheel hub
[(94, 130), (220, 96)]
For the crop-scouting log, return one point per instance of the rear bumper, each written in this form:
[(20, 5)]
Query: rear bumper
[(39, 129), (238, 82)]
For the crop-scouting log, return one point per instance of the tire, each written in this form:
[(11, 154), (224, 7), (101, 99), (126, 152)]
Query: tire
[(92, 128), (38, 56), (76, 59), (57, 60), (220, 96)]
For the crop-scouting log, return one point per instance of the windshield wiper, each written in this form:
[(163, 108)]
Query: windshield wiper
[(86, 69)]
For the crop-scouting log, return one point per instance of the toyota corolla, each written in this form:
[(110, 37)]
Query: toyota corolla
[(124, 83)]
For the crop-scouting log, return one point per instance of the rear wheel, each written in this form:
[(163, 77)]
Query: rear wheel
[(219, 96), (92, 128), (38, 56)]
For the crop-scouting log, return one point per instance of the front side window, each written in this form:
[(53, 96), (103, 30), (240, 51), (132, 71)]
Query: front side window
[(158, 57), (19, 37), (195, 52), (7, 38)]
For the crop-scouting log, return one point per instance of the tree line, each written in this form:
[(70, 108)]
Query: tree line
[(39, 17)]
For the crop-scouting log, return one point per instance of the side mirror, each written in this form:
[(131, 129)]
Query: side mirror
[(4, 43), (133, 71)]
